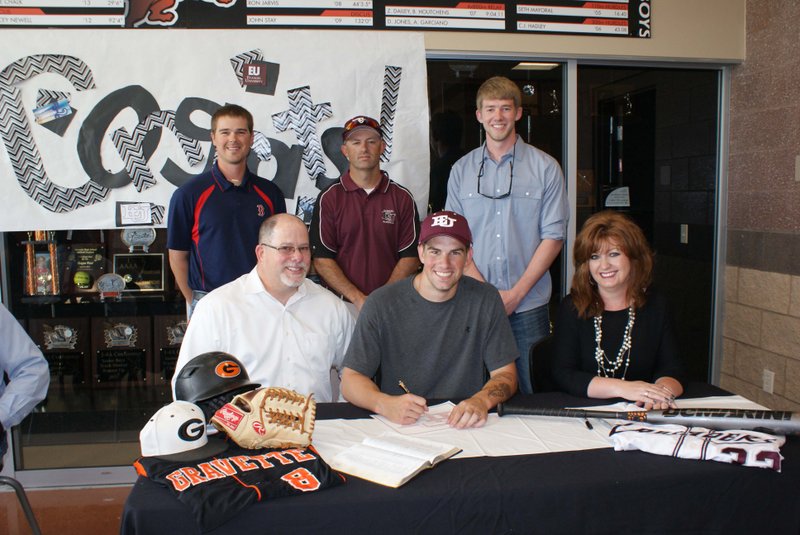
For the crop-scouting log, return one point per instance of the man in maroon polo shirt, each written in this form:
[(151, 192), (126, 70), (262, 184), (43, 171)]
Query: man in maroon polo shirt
[(365, 227)]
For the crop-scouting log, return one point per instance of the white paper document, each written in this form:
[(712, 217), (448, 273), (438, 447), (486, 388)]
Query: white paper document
[(509, 435), (433, 420)]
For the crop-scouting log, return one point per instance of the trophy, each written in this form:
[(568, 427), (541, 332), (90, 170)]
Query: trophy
[(110, 286), (555, 107), (41, 264), (138, 237)]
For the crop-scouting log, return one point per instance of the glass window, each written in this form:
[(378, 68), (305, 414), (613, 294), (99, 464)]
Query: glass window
[(111, 350)]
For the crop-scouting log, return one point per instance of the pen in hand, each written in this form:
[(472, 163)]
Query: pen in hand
[(415, 402), (403, 386)]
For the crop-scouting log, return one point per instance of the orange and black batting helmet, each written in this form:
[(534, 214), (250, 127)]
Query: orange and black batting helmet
[(210, 375)]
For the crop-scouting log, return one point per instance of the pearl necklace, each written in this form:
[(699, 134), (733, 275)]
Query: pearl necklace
[(605, 366)]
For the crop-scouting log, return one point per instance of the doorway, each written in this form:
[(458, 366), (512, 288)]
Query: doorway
[(647, 146), (452, 90)]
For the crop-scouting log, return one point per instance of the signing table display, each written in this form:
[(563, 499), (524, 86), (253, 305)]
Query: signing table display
[(595, 491)]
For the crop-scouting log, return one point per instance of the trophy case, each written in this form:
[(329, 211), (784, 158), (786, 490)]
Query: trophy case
[(103, 307)]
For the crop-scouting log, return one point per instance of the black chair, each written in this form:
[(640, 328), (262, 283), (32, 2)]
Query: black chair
[(540, 359), (23, 500)]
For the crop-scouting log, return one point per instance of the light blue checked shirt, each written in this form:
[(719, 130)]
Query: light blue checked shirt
[(507, 231)]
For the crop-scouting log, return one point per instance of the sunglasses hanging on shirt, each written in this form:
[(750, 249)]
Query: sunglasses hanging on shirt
[(510, 180)]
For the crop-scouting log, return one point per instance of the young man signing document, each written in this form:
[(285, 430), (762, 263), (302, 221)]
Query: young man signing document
[(436, 332)]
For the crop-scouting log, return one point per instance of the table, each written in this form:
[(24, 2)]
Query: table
[(595, 491)]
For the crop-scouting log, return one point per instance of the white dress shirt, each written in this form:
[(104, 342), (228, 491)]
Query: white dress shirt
[(292, 346)]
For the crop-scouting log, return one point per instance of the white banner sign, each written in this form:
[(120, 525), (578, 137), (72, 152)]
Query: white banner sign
[(97, 125)]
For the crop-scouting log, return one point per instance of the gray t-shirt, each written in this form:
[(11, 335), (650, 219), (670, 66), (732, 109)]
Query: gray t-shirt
[(439, 350)]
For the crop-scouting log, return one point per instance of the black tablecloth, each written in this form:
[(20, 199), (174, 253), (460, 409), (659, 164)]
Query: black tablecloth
[(595, 491)]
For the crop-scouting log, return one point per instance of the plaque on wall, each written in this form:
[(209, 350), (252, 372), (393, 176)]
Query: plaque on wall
[(86, 263), (120, 350), (142, 272), (67, 368), (65, 344), (168, 334), (120, 365)]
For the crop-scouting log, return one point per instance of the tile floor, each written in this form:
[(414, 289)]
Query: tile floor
[(87, 511)]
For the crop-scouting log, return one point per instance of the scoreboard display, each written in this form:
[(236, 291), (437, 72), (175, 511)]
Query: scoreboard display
[(615, 18)]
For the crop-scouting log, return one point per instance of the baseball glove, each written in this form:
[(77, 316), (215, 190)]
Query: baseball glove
[(268, 418)]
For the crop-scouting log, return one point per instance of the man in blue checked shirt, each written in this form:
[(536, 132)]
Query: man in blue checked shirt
[(27, 371)]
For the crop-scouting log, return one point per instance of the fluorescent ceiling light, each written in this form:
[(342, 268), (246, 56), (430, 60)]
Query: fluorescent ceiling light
[(534, 66)]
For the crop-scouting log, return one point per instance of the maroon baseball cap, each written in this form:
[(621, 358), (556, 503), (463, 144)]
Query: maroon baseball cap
[(446, 223), (360, 121)]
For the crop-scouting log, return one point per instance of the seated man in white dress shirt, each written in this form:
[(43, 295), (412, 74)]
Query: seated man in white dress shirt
[(286, 330)]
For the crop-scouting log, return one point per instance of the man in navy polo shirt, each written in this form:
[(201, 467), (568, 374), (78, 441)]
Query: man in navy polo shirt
[(364, 228), (214, 218)]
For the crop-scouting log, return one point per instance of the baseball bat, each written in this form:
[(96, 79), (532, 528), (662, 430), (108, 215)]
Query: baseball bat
[(772, 422)]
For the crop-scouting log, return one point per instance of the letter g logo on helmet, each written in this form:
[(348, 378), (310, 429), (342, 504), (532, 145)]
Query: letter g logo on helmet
[(227, 369)]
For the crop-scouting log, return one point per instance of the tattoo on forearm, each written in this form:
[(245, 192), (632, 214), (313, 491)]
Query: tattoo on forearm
[(499, 387), (501, 392)]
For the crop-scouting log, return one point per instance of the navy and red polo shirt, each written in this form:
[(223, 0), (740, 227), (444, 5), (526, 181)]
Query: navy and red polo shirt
[(218, 224), (365, 234)]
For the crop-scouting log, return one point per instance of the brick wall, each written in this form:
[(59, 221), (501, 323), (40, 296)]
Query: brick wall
[(761, 322), (762, 331)]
